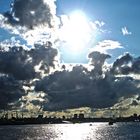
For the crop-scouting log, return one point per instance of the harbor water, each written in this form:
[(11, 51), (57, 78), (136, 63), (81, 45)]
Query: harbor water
[(83, 131)]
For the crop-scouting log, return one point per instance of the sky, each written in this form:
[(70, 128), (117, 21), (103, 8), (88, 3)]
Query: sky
[(121, 20), (58, 55), (117, 15)]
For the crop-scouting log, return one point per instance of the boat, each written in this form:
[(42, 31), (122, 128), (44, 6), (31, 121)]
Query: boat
[(110, 122)]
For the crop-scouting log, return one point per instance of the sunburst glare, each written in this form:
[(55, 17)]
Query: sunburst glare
[(75, 31)]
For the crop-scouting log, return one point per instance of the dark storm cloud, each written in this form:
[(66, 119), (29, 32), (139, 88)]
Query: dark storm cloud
[(83, 88), (21, 63), (14, 62), (65, 89), (64, 80), (11, 91), (45, 54), (97, 59), (17, 69), (121, 65), (125, 59), (126, 64), (32, 13), (136, 65), (62, 87)]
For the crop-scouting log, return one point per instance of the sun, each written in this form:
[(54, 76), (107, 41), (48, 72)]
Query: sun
[(75, 31)]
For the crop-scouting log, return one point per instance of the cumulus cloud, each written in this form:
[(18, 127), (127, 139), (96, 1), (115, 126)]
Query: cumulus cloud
[(33, 21), (11, 91), (83, 88), (123, 64), (31, 13), (80, 89), (125, 31), (106, 45), (36, 21), (64, 88), (126, 64), (19, 67), (97, 59), (29, 76), (21, 63)]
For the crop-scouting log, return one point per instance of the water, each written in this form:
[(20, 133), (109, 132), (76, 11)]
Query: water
[(86, 131)]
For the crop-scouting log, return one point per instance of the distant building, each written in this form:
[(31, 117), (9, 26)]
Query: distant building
[(63, 117), (81, 116), (75, 116)]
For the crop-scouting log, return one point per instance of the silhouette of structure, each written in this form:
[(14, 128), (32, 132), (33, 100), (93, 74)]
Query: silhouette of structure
[(77, 118)]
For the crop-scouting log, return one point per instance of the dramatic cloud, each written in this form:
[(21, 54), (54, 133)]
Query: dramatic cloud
[(36, 21), (82, 88), (126, 64), (21, 63), (31, 76), (125, 31), (63, 88), (97, 59), (19, 67), (33, 20), (32, 13), (11, 91), (123, 64)]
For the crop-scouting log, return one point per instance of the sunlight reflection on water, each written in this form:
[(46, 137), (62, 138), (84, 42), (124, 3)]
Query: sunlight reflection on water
[(74, 132), (85, 131)]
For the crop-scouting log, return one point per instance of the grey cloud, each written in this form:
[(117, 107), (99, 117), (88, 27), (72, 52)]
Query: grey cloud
[(32, 13), (65, 89), (21, 63), (126, 64), (11, 91), (65, 80), (136, 65), (121, 64), (83, 89), (14, 63), (45, 53), (97, 59), (17, 69)]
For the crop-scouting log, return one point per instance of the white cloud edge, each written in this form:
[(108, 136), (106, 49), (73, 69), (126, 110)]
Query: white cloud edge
[(125, 31)]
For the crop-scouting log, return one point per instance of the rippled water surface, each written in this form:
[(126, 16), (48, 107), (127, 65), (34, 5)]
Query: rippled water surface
[(85, 131)]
